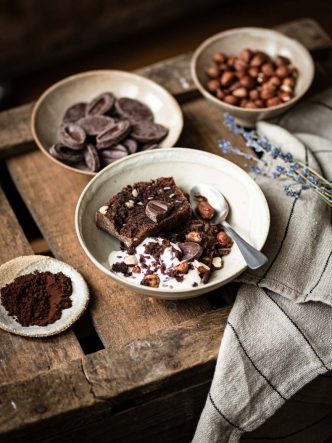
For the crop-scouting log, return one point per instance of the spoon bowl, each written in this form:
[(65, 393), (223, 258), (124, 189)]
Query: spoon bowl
[(253, 257)]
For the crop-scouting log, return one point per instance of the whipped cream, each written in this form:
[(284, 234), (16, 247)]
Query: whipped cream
[(159, 265)]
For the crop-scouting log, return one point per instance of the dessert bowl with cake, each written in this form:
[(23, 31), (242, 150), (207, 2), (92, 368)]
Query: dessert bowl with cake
[(134, 222)]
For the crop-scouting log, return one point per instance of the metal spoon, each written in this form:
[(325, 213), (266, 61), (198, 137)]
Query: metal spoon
[(254, 258)]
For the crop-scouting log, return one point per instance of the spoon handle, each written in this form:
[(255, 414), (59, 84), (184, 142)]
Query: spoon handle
[(254, 258)]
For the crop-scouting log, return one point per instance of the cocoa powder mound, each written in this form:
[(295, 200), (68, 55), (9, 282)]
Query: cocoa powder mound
[(37, 298)]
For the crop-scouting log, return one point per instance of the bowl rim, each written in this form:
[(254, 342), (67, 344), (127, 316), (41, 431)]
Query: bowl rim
[(149, 290), (198, 51), (92, 73)]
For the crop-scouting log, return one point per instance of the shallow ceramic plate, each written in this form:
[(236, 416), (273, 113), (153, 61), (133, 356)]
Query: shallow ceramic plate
[(30, 263), (51, 106), (249, 212)]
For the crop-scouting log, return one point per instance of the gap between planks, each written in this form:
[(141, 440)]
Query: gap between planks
[(140, 372)]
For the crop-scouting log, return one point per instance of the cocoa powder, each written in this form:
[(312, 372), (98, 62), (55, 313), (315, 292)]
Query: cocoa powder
[(38, 298)]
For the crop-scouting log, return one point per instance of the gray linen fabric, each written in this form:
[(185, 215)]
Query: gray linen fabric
[(279, 332)]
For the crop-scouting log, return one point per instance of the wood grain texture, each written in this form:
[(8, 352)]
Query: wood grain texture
[(119, 315), (24, 357), (119, 389)]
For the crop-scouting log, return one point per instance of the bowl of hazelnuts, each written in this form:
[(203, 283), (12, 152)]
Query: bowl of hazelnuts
[(252, 73)]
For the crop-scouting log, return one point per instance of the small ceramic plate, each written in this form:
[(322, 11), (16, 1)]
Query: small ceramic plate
[(249, 212), (28, 264), (51, 106)]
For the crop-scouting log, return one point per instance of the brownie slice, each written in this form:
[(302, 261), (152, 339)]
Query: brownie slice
[(144, 209)]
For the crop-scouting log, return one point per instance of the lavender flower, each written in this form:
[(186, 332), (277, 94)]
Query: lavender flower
[(300, 175)]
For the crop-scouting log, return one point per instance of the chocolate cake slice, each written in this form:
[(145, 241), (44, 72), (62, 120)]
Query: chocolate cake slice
[(144, 209)]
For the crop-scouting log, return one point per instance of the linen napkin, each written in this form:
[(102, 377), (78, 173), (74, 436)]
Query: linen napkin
[(279, 333)]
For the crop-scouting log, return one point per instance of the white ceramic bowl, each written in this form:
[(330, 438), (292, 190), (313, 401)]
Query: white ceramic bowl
[(50, 107), (249, 212), (273, 43)]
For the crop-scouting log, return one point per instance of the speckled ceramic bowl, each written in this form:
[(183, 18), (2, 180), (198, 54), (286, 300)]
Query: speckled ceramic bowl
[(273, 43), (51, 106), (249, 212)]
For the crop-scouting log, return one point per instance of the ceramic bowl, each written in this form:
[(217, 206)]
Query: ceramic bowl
[(273, 43), (50, 107), (249, 213)]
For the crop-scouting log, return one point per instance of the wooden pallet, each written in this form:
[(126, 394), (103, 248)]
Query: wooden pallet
[(150, 381)]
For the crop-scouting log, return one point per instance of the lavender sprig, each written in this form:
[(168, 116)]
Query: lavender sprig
[(277, 164)]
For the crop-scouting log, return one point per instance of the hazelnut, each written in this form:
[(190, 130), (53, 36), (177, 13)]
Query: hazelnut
[(250, 105), (246, 55), (136, 270), (282, 71), (240, 92), (267, 93), (182, 268), (220, 94), (213, 72), (205, 210), (223, 239), (194, 236), (224, 251), (274, 101), (267, 69), (257, 60), (134, 193), (247, 81), (213, 85), (231, 60), (254, 94), (253, 72), (289, 81), (151, 280), (259, 103), (203, 269), (103, 210), (227, 78), (286, 88), (219, 57), (231, 100), (280, 60), (275, 81), (240, 65), (234, 86), (243, 102), (285, 96), (217, 262), (130, 260)]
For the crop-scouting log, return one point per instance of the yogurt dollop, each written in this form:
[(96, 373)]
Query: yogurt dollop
[(142, 263)]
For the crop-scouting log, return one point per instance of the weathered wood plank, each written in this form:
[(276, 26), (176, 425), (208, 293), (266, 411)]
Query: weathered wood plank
[(173, 74), (119, 315), (22, 357), (86, 395)]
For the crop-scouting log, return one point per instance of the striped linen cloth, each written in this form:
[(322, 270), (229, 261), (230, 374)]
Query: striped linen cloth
[(279, 333)]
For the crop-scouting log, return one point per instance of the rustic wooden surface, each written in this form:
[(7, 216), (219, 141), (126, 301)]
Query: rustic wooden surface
[(105, 383), (53, 389), (22, 357)]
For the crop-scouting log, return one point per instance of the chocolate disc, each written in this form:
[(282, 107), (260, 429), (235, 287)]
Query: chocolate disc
[(74, 113), (91, 158), (156, 210), (191, 250), (94, 124), (134, 110), (112, 134), (131, 145), (113, 154), (148, 132), (65, 154), (72, 135), (102, 104)]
